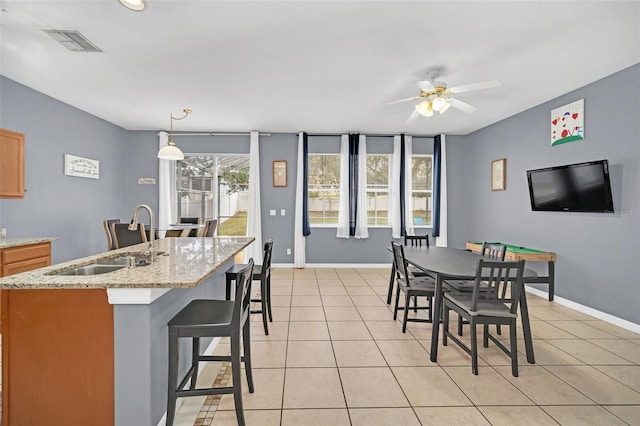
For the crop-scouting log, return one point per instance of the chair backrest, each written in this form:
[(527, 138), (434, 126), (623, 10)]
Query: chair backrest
[(193, 220), (124, 238), (111, 245), (176, 233), (400, 263), (493, 251), (416, 240), (266, 259), (493, 278), (242, 302), (210, 227)]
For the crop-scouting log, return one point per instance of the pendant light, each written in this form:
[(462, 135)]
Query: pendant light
[(171, 151)]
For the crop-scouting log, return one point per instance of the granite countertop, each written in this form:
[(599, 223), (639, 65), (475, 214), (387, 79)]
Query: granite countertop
[(186, 262), (17, 242)]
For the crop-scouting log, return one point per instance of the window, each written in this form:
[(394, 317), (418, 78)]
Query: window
[(324, 188), (378, 190), (215, 186), (421, 189)]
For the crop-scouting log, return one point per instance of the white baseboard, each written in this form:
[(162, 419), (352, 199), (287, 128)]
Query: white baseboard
[(209, 351), (627, 325)]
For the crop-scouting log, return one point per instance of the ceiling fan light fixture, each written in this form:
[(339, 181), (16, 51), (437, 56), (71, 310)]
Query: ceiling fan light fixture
[(425, 109), (445, 107), (439, 103), (137, 5)]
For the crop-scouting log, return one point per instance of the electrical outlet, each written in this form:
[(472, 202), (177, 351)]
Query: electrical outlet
[(289, 252), (272, 212), (282, 212)]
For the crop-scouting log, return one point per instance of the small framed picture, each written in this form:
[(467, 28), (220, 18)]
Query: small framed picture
[(279, 173), (498, 174)]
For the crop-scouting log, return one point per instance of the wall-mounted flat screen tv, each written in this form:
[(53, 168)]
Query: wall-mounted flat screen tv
[(583, 187)]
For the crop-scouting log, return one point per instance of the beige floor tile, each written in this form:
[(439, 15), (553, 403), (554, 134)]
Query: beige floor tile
[(353, 282), (546, 313), (571, 313), (278, 330), (326, 273), (521, 416), (315, 330), (306, 300), (371, 387), (360, 291), (489, 387), (582, 330), (336, 300), (307, 290), (342, 313), (268, 385), (596, 385), (334, 291), (298, 282), (333, 282), (613, 329), (310, 353), (280, 313), (252, 417), (547, 354), (307, 313), (358, 353), (316, 417), (626, 374), (588, 352), (628, 413), (377, 281), (367, 300), (543, 388), (387, 330), (429, 386), (446, 416), (375, 313), (623, 348), (281, 290), (452, 355), (544, 330), (313, 388), (404, 353), (383, 417), (581, 415), (304, 274), (280, 301), (350, 330), (420, 330), (382, 290), (268, 354)]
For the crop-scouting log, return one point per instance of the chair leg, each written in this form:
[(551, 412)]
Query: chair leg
[(485, 335), (172, 376), (514, 349), (498, 329), (195, 353), (430, 316), (269, 298), (237, 377), (474, 347), (264, 307), (445, 324), (228, 286), (395, 309), (246, 341), (391, 280), (407, 299), (459, 325), (415, 304)]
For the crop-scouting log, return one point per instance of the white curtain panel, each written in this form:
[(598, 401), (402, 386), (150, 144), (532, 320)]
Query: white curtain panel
[(408, 184), (361, 214), (394, 188), (441, 241), (167, 197), (343, 204), (254, 214), (299, 252)]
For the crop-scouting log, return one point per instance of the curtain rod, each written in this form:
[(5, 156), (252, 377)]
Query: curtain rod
[(217, 134), (381, 135)]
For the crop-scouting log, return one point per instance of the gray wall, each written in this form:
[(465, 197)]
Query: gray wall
[(598, 254), (68, 208)]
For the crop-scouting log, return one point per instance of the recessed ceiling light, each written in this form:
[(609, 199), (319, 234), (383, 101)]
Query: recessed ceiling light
[(137, 5)]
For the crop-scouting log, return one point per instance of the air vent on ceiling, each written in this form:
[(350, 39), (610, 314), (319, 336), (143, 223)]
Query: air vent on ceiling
[(73, 40)]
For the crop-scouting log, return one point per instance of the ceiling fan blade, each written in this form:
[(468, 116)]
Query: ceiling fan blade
[(412, 117), (476, 86), (413, 98), (426, 86), (462, 106)]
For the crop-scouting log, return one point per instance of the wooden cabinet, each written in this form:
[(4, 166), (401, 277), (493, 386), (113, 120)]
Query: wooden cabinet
[(11, 164)]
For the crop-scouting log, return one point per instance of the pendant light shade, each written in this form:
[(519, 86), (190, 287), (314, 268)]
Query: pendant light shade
[(171, 151)]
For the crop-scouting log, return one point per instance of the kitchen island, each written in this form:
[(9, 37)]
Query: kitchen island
[(92, 349)]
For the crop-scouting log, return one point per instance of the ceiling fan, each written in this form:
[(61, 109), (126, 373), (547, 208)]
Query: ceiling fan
[(435, 96)]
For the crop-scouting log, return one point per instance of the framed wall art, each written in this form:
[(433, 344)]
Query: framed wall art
[(280, 173), (498, 174)]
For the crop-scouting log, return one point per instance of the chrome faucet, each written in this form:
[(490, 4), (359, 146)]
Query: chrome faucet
[(152, 231)]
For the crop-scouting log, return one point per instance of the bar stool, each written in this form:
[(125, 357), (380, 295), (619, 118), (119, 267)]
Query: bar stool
[(263, 274), (212, 318)]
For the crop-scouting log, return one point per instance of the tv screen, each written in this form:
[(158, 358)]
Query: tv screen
[(583, 187)]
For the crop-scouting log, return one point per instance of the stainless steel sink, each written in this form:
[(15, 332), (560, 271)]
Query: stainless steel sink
[(93, 269)]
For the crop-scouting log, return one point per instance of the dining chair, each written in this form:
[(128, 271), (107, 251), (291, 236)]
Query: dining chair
[(191, 220), (492, 277), (107, 229), (412, 286), (172, 233), (125, 238), (210, 227), (414, 241), (213, 318), (261, 273)]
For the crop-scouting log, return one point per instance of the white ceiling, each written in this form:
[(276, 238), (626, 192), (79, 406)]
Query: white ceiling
[(318, 66)]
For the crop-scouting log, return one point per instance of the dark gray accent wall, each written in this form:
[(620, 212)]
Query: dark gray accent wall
[(68, 208), (598, 254)]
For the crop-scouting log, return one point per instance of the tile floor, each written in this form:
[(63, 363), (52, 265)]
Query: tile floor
[(334, 356)]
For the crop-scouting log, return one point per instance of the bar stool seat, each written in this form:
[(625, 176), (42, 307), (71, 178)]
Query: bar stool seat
[(212, 318)]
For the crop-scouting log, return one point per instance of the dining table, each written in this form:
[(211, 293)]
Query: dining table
[(445, 263)]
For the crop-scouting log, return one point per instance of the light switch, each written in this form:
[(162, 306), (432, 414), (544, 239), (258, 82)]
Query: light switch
[(272, 212), (281, 212)]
